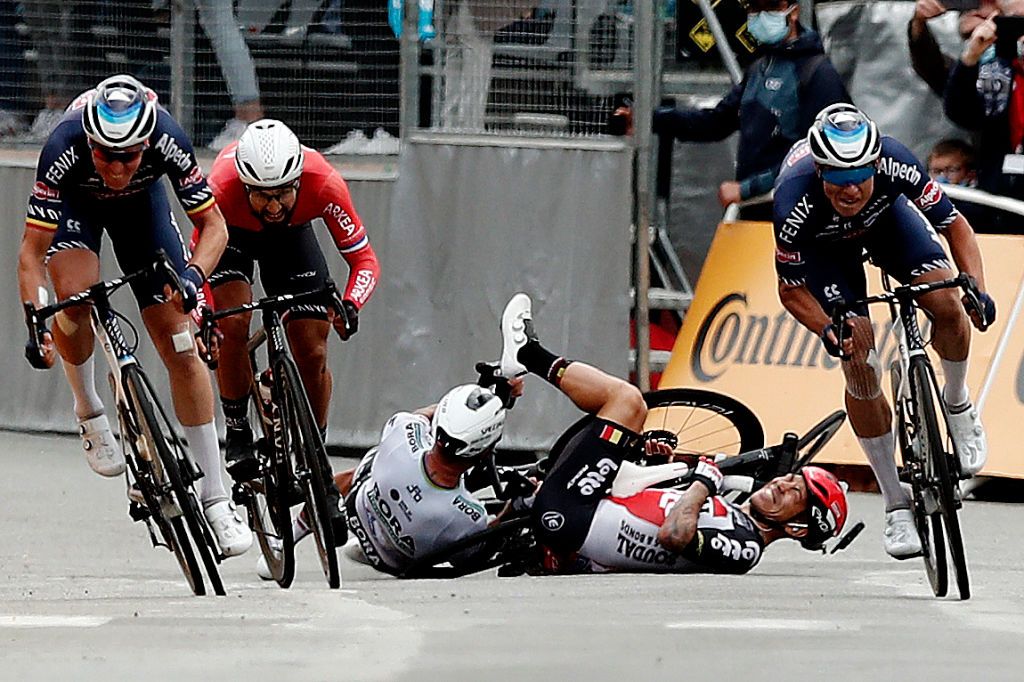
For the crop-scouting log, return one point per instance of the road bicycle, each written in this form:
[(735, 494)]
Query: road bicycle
[(930, 461), (292, 465), (160, 473)]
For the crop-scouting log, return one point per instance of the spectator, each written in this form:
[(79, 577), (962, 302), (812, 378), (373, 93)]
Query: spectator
[(985, 93), (10, 72), (952, 161), (928, 60), (772, 107), (60, 78), (218, 20)]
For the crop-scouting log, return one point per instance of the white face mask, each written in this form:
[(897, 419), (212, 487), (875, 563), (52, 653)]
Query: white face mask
[(768, 27)]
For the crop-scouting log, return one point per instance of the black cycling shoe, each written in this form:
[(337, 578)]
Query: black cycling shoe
[(239, 455), (339, 522)]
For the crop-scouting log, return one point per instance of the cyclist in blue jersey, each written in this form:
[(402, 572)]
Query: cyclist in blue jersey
[(846, 191), (100, 171)]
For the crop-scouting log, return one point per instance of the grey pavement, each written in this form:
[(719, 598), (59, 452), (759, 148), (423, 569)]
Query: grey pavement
[(84, 597)]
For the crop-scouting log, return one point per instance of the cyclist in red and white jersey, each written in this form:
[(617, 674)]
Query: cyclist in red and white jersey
[(582, 527), (271, 189)]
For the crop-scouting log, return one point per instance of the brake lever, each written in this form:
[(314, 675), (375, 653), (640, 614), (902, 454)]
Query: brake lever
[(206, 335), (337, 304), (973, 296), (36, 329), (162, 265)]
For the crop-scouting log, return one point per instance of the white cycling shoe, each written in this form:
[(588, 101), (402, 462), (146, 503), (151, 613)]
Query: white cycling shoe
[(516, 330), (262, 569), (233, 536), (900, 535), (101, 450), (969, 436)]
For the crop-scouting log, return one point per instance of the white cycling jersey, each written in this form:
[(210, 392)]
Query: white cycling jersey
[(623, 536), (402, 514)]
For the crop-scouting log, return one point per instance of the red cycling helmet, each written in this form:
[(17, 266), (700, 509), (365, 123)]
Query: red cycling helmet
[(826, 504)]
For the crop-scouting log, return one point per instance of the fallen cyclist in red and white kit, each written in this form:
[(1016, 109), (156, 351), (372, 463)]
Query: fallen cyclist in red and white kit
[(582, 527)]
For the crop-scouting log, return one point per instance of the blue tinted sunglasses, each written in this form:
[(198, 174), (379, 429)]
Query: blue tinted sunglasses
[(847, 176)]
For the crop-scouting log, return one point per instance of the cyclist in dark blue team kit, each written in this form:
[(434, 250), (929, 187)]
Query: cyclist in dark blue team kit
[(847, 190), (99, 171)]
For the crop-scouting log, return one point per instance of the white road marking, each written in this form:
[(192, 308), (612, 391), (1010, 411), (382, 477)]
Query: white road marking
[(20, 621), (783, 624)]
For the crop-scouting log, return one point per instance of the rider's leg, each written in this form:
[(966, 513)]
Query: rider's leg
[(951, 336), (870, 414), (234, 376), (71, 271)]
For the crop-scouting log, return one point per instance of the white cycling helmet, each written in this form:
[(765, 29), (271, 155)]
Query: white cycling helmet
[(268, 154), (843, 137), (468, 420), (120, 113)]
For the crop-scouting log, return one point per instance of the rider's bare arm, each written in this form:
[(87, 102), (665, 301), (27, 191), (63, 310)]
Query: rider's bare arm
[(31, 264), (680, 525), (964, 246), (213, 238), (427, 411), (802, 305)]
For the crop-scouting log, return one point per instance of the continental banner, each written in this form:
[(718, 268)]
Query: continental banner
[(737, 339)]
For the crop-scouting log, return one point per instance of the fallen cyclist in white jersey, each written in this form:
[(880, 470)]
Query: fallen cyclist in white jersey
[(407, 497)]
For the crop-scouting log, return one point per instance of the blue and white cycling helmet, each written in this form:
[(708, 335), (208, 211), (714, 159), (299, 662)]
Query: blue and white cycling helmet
[(120, 113), (843, 137)]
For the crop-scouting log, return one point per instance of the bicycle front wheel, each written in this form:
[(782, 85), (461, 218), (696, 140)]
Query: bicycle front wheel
[(939, 469), (302, 438), (703, 422), (267, 501), (156, 430)]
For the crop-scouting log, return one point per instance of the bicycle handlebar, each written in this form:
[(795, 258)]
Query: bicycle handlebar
[(278, 303), (906, 294), (35, 318)]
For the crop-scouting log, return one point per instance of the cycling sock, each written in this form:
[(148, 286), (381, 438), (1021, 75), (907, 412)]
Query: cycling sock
[(87, 401), (542, 362), (202, 443), (236, 413), (881, 451), (955, 391)]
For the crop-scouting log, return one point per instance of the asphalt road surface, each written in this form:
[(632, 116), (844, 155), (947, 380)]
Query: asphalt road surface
[(84, 597)]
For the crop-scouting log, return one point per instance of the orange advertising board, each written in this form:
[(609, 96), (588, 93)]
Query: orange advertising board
[(737, 339)]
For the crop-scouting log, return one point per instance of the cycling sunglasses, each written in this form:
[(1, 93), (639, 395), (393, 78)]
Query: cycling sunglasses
[(110, 155), (845, 177)]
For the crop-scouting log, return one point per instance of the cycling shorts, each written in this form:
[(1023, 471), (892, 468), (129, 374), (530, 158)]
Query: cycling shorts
[(139, 226), (290, 260), (579, 480), (902, 243)]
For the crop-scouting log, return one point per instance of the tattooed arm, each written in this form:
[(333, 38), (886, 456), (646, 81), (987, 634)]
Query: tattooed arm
[(680, 525)]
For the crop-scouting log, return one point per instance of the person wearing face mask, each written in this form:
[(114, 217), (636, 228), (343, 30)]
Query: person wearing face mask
[(985, 93), (771, 107)]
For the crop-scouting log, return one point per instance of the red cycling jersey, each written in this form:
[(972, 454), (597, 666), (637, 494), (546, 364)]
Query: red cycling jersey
[(323, 194)]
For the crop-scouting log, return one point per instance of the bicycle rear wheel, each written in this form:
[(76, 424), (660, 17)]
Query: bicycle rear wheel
[(939, 469), (270, 512), (156, 430), (302, 438), (703, 422)]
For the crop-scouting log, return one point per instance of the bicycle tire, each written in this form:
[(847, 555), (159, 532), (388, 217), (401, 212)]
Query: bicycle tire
[(939, 461), (303, 437), (145, 479), (929, 524), (270, 512), (156, 428), (811, 443), (740, 428)]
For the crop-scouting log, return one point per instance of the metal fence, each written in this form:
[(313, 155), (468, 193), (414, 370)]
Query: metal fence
[(330, 68)]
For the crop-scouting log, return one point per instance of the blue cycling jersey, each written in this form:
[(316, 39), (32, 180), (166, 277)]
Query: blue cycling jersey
[(65, 171), (805, 219)]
